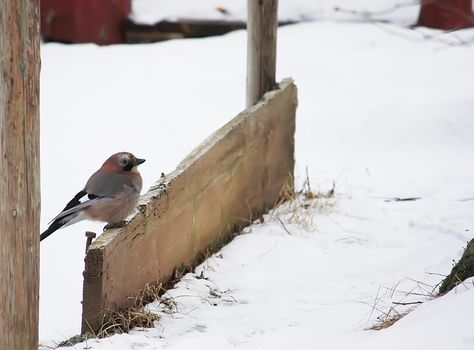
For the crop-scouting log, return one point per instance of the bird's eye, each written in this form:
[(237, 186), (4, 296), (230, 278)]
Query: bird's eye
[(124, 161)]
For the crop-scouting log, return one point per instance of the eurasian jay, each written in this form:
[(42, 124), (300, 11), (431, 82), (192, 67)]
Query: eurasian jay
[(112, 192)]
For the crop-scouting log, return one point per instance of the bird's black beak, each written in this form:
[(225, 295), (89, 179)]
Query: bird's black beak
[(139, 161)]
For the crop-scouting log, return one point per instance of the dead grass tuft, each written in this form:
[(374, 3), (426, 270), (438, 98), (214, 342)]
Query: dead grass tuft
[(300, 207), (393, 303), (122, 321), (134, 316), (388, 321)]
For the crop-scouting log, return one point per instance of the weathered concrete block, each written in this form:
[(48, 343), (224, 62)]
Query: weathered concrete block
[(235, 175)]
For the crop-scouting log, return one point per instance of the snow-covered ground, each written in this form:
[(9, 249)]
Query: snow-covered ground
[(153, 11), (383, 112)]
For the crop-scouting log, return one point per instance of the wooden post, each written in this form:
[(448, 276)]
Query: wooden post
[(19, 174), (262, 22)]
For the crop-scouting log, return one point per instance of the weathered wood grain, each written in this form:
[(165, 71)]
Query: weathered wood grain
[(19, 174), (262, 22)]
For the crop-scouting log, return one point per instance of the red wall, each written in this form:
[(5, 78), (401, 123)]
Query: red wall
[(446, 14), (84, 21)]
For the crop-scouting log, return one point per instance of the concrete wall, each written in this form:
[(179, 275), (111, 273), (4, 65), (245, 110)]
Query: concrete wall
[(237, 173)]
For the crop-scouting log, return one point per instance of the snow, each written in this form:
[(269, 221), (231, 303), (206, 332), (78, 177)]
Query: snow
[(153, 11), (383, 112)]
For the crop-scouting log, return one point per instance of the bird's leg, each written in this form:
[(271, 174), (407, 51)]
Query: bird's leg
[(116, 224)]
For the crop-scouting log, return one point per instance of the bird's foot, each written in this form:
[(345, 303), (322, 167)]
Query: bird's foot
[(116, 225)]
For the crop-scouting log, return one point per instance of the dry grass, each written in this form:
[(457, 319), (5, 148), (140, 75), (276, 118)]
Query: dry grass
[(134, 316), (393, 303), (300, 207), (387, 322), (122, 321)]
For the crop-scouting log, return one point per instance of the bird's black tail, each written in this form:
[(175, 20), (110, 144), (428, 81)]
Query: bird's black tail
[(63, 220), (55, 225)]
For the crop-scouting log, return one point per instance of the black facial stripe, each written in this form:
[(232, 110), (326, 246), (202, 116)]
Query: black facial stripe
[(128, 167)]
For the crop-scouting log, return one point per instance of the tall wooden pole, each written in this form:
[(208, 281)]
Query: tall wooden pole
[(19, 174), (262, 22)]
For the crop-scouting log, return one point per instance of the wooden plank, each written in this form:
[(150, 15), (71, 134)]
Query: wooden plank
[(19, 169), (234, 176), (262, 22)]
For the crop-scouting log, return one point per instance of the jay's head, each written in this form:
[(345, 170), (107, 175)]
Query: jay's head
[(122, 162)]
